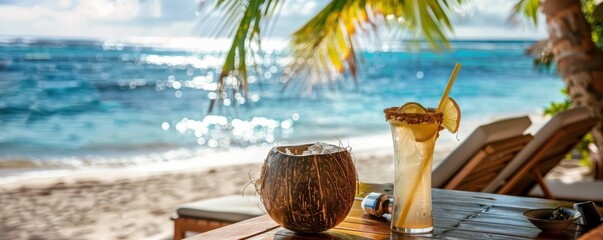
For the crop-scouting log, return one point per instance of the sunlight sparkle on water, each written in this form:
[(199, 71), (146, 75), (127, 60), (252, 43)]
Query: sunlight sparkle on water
[(251, 79), (255, 98), (273, 69), (286, 124), (176, 85), (199, 82), (221, 132), (202, 82), (207, 61), (239, 98)]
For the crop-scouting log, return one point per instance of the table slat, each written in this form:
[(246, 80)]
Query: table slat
[(241, 230), (457, 215)]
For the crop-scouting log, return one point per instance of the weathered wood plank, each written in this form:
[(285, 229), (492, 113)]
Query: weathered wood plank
[(335, 233), (594, 234), (479, 227), (466, 217), (460, 234), (481, 217), (341, 234), (240, 230), (457, 215)]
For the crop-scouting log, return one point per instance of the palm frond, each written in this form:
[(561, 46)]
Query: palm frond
[(325, 47), (528, 9), (243, 22)]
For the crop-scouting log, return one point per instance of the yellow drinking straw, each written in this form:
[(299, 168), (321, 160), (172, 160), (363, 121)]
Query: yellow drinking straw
[(449, 86), (406, 208)]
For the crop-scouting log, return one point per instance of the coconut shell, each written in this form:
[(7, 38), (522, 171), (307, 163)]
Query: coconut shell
[(309, 193)]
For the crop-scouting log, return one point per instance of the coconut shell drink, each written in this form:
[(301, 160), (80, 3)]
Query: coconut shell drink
[(308, 188)]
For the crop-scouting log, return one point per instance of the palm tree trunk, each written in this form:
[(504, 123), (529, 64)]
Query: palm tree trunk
[(577, 58)]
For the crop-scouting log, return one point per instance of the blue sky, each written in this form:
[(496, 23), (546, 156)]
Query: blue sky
[(479, 19)]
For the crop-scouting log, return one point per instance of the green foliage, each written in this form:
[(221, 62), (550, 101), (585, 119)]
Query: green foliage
[(243, 20), (593, 12), (582, 147), (325, 47), (528, 9), (557, 107)]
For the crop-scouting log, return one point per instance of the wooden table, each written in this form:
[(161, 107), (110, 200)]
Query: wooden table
[(457, 215)]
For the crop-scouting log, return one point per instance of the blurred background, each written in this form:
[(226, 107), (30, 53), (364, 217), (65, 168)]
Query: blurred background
[(119, 82), (105, 121)]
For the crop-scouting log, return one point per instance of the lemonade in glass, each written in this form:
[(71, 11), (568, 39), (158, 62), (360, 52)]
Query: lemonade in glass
[(414, 132)]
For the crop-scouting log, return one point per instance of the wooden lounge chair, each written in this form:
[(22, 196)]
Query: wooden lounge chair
[(209, 214), (589, 190), (477, 161), (485, 152), (508, 166), (549, 146)]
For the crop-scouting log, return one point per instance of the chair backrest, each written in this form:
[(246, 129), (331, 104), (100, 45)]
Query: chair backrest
[(550, 145), (487, 150)]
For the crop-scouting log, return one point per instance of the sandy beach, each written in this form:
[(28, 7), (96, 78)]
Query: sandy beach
[(136, 202), (119, 209), (96, 207)]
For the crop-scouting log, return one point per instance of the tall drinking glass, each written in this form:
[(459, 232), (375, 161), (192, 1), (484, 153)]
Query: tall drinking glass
[(414, 136)]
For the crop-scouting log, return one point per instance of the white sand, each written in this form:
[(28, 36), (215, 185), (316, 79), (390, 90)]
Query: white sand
[(135, 202)]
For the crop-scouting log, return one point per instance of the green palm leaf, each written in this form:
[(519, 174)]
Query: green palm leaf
[(326, 47), (243, 22), (527, 8)]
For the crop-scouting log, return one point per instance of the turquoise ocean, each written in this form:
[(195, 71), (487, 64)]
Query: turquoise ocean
[(97, 102)]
